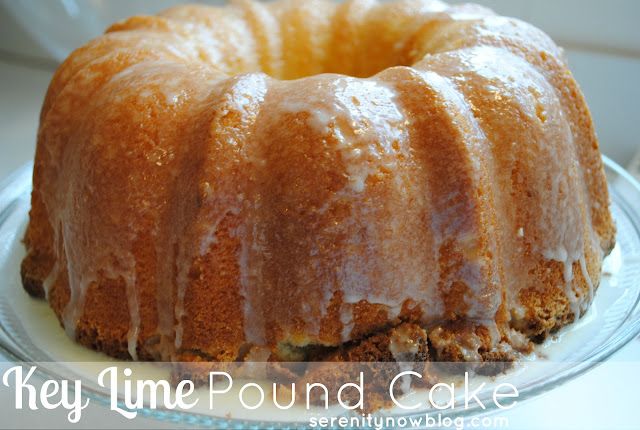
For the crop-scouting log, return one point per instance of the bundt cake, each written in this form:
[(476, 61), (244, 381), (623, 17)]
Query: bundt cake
[(286, 180)]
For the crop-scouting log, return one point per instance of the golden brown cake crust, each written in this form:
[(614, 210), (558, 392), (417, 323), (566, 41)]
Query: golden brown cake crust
[(193, 199)]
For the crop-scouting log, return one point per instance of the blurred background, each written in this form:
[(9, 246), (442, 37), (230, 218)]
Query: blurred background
[(601, 38)]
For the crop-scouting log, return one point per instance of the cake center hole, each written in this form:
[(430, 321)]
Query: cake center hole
[(359, 60)]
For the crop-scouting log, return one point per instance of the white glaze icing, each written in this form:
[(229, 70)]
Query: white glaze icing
[(363, 122), (134, 317), (51, 278), (404, 351), (346, 318)]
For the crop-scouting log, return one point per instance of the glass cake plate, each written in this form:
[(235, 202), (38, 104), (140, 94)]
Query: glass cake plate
[(30, 333)]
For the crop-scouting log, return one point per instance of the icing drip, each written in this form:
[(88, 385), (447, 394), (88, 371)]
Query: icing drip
[(50, 280), (134, 320), (78, 284), (585, 274), (404, 351), (370, 134), (246, 100), (358, 123), (518, 341), (223, 196), (567, 228), (346, 318), (555, 230), (251, 262), (83, 273), (209, 238), (182, 281), (494, 331), (452, 218)]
